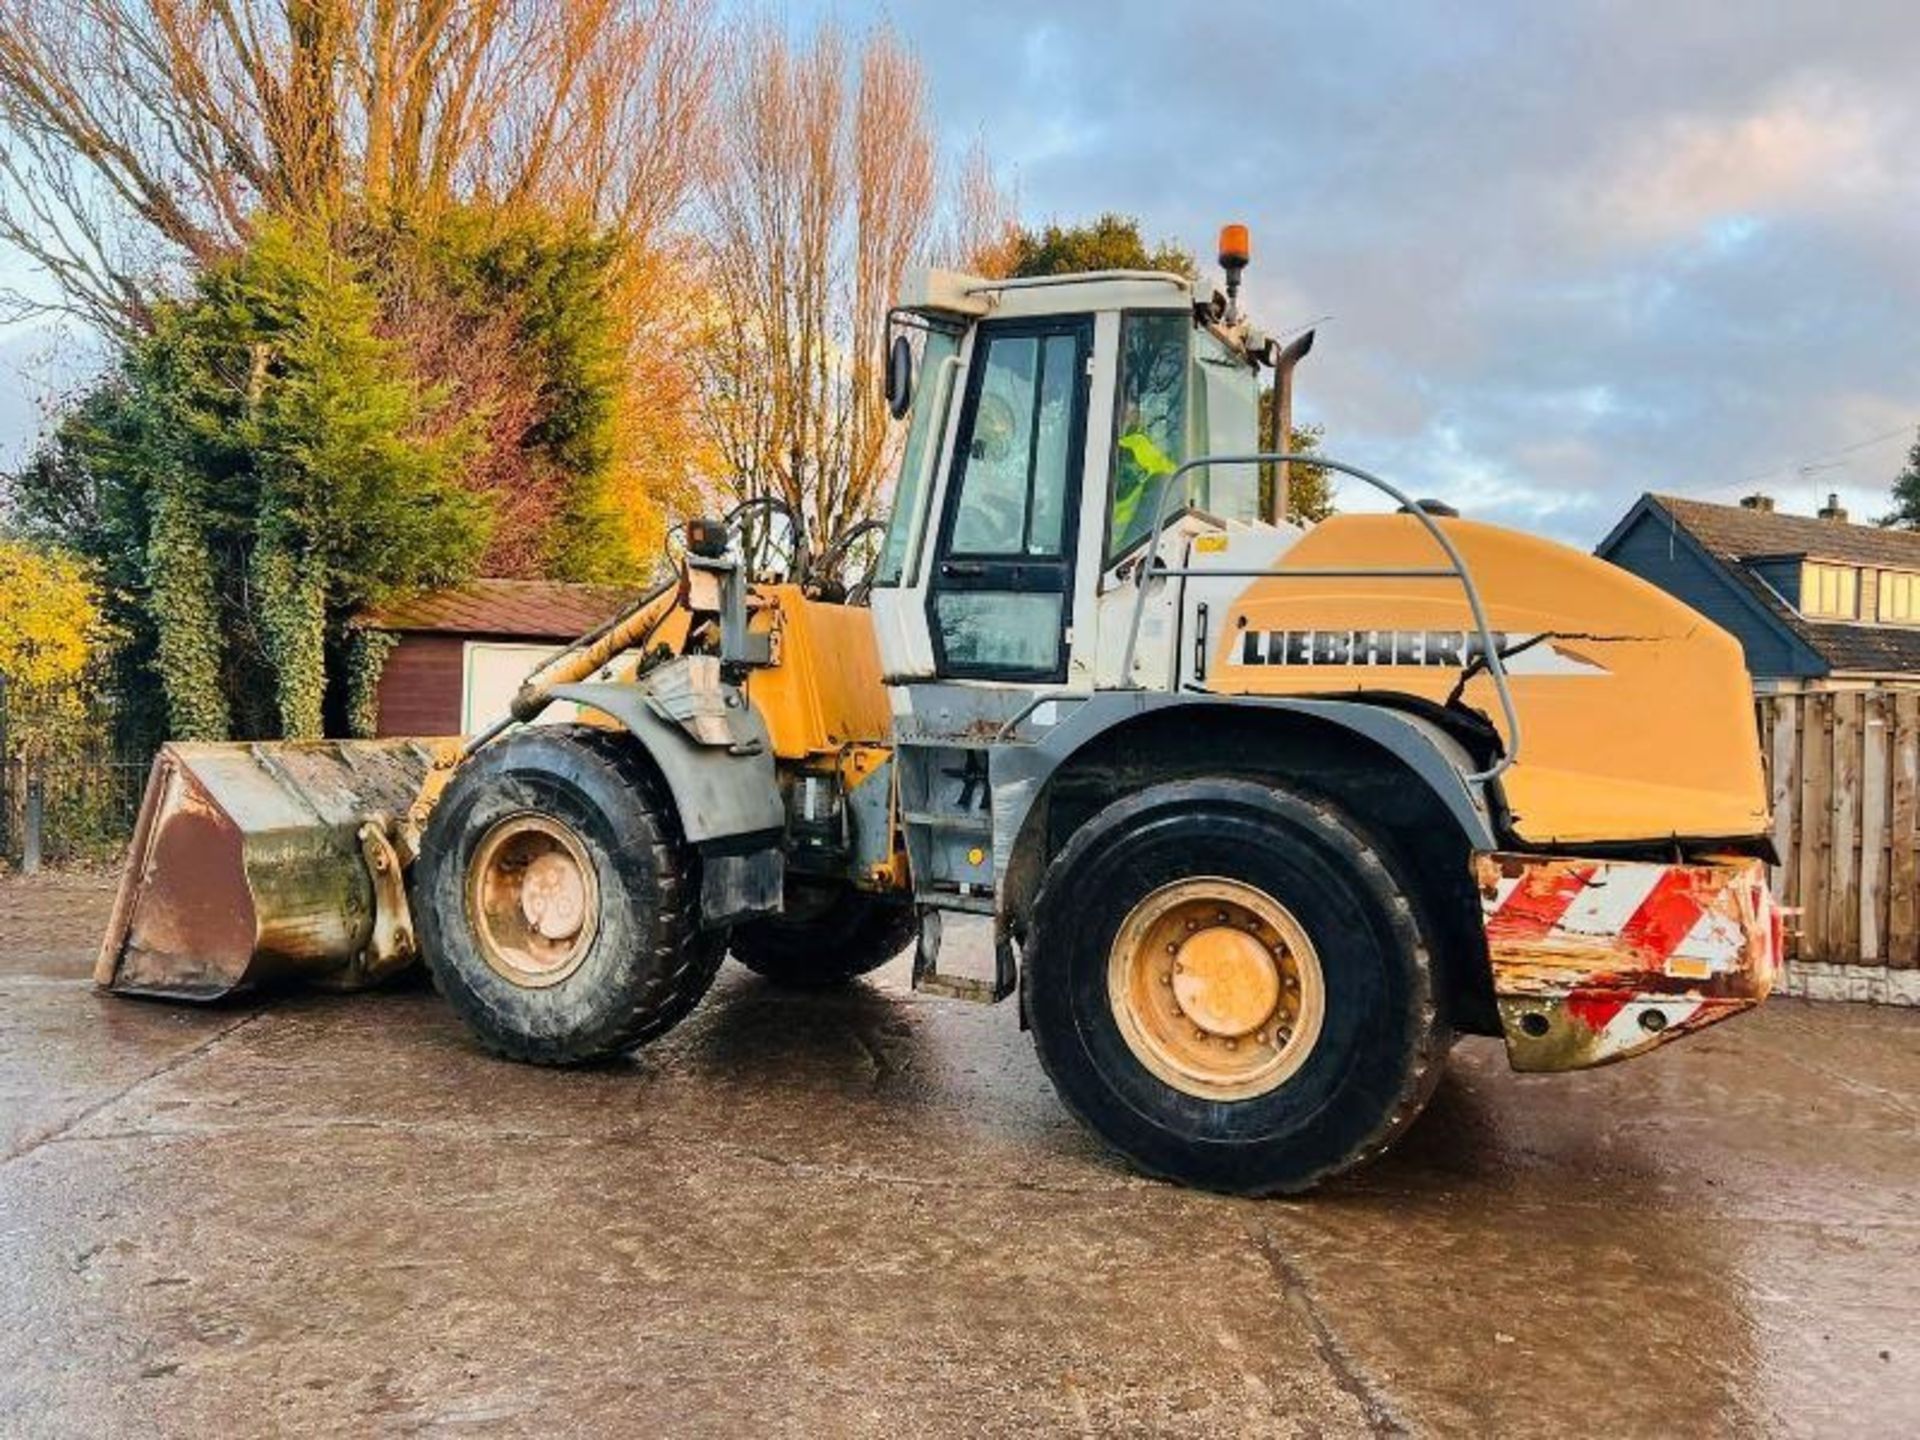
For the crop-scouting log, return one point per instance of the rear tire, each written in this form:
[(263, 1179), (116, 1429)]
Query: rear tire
[(825, 939), (557, 904), (1321, 1039)]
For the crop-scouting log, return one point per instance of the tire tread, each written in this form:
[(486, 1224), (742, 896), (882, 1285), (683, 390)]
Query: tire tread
[(1428, 1038), (686, 960)]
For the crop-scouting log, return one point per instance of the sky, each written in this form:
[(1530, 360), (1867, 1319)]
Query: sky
[(1570, 252), (1565, 252)]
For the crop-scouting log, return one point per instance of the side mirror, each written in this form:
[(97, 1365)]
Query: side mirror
[(899, 377)]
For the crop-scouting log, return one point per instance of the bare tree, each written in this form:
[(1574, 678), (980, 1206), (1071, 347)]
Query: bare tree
[(822, 194), (136, 134), (981, 229)]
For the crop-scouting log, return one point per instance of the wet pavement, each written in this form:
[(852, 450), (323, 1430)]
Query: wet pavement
[(865, 1213)]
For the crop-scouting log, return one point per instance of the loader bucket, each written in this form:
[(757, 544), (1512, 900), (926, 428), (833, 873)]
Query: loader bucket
[(261, 862)]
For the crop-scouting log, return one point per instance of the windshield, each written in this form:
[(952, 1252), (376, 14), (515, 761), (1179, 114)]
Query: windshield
[(933, 385)]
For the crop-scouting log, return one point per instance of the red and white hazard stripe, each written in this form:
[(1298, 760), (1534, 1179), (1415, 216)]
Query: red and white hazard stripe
[(1691, 922), (1628, 953)]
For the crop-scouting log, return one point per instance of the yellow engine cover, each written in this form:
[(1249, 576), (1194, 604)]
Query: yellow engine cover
[(1636, 713), (823, 691)]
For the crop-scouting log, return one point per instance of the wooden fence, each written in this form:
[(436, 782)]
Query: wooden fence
[(1844, 767)]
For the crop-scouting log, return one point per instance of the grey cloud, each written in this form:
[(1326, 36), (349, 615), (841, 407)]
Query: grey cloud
[(1573, 251)]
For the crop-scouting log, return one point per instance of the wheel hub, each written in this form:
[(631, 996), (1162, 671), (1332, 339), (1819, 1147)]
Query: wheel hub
[(1225, 981), (1216, 988), (534, 898), (553, 896)]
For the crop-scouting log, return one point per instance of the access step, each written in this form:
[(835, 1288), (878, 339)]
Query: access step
[(931, 980)]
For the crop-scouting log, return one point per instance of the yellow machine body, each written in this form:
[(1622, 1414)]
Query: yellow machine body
[(1636, 714), (822, 692)]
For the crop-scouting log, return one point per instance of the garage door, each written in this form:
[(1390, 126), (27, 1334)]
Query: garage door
[(493, 673)]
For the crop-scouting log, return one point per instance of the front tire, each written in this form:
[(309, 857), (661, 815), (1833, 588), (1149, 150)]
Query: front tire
[(556, 901), (1230, 986)]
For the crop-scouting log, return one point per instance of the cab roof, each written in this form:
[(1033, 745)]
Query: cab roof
[(974, 297)]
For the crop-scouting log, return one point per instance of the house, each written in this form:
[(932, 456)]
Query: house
[(1817, 602), (1829, 615), (462, 652)]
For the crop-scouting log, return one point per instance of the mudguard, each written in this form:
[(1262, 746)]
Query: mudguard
[(1020, 771), (721, 790), (713, 751)]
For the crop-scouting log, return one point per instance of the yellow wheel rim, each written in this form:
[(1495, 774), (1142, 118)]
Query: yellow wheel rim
[(534, 899), (1216, 988)]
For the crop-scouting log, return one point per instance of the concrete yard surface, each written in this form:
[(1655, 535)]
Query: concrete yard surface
[(865, 1213)]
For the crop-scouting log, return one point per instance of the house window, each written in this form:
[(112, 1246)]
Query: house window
[(1830, 592), (1899, 597)]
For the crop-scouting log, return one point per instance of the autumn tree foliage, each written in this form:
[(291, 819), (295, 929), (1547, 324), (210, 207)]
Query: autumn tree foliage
[(257, 469), (823, 194), (586, 423), (487, 193), (51, 627), (527, 159), (594, 259), (140, 135), (980, 232)]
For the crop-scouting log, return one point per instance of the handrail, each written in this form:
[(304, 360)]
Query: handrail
[(1456, 569), (1045, 697), (1081, 277)]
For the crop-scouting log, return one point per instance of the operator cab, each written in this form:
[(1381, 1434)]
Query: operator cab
[(1045, 418)]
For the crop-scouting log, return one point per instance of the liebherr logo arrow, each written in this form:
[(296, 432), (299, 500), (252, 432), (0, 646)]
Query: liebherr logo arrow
[(1525, 654)]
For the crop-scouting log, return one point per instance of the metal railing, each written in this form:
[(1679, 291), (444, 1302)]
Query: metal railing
[(76, 807), (1455, 569)]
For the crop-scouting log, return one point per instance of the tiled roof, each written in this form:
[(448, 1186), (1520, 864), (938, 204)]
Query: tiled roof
[(1733, 533), (525, 609)]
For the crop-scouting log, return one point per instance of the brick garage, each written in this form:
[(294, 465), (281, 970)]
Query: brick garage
[(462, 651)]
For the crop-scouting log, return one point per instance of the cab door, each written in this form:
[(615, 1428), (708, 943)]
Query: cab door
[(1001, 590)]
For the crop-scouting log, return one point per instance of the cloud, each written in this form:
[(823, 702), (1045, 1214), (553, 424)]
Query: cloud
[(1572, 252), (1713, 176)]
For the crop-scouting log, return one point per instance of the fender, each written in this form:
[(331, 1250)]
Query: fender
[(726, 795), (1019, 773)]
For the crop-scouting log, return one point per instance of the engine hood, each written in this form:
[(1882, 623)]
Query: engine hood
[(1636, 712)]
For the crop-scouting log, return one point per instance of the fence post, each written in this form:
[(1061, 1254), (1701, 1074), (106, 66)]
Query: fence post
[(36, 814)]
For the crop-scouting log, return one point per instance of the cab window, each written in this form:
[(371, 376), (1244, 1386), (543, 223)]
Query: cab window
[(1150, 426), (931, 394), (1002, 582), (1014, 477), (1226, 421)]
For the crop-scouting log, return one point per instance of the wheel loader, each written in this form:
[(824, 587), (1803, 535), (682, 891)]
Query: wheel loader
[(1262, 815)]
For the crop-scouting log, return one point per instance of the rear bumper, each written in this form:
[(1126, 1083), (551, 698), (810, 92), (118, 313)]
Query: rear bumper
[(1598, 960)]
